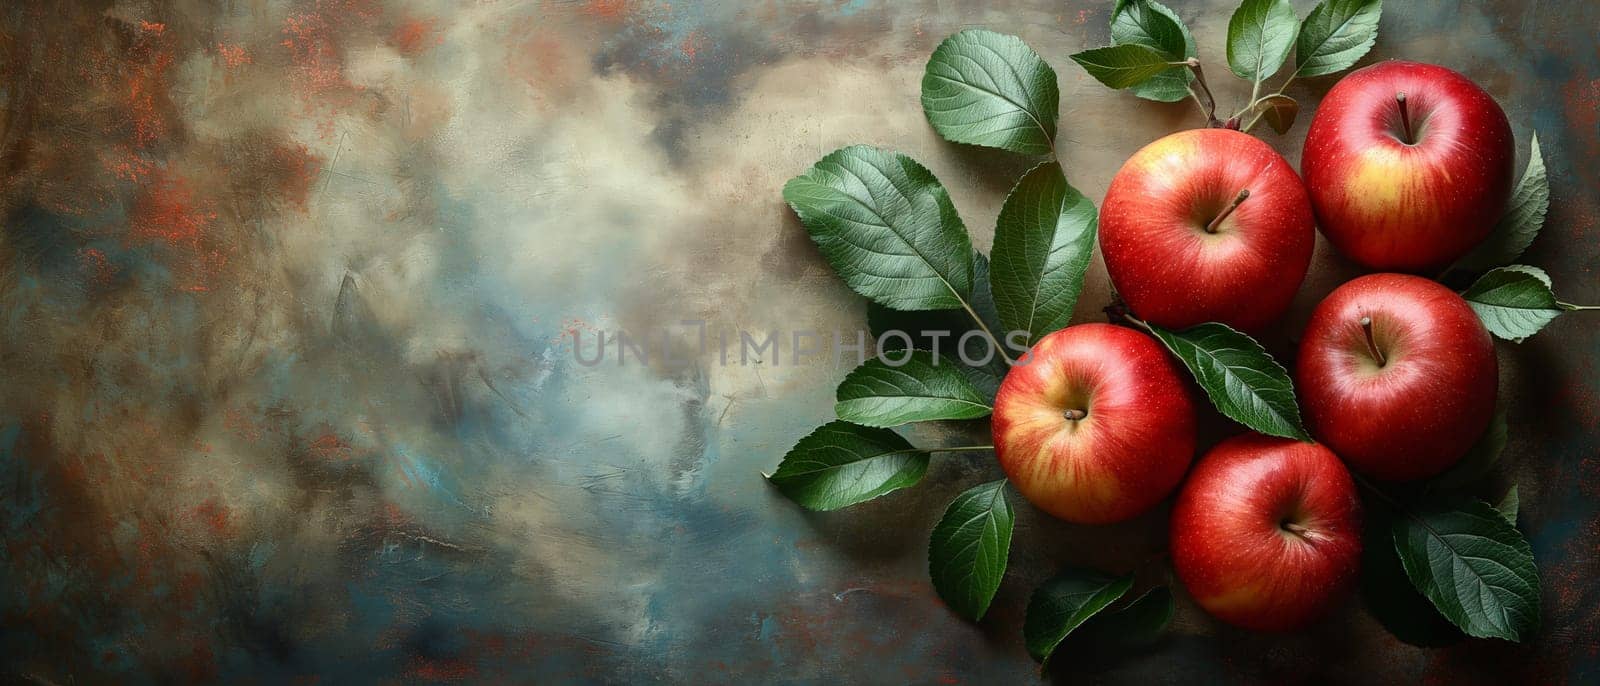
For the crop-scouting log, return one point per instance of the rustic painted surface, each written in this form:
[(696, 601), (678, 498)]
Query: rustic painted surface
[(287, 296)]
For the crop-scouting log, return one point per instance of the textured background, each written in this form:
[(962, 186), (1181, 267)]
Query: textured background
[(287, 292)]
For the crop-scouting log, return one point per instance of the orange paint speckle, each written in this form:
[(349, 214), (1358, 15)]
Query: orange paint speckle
[(298, 169), (691, 44), (329, 447), (441, 669), (97, 267), (392, 516), (233, 56), (611, 10), (316, 58), (415, 37), (541, 61), (312, 51), (147, 83), (214, 515), (125, 164), (168, 212), (236, 420)]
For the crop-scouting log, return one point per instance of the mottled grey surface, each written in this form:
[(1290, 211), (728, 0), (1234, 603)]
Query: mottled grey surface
[(289, 292)]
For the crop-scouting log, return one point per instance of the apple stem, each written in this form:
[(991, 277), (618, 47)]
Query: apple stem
[(1295, 529), (1241, 197), (1372, 345), (1405, 118), (1075, 414)]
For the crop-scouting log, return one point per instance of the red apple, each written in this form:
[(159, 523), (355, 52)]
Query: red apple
[(1409, 166), (1209, 225), (1266, 533), (1094, 424), (1397, 375)]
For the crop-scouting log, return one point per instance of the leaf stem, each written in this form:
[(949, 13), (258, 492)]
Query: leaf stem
[(1200, 78), (1257, 101), (1575, 308), (1373, 488), (958, 449), (1139, 322), (985, 327), (1399, 507), (1197, 102)]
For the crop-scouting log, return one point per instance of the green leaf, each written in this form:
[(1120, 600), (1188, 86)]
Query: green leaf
[(1063, 603), (1479, 461), (983, 300), (1336, 35), (1514, 302), (967, 553), (1242, 380), (1387, 591), (1260, 35), (1142, 621), (920, 389), (1279, 112), (1151, 24), (887, 227), (1477, 569), (1508, 506), (1042, 244), (1122, 66), (1171, 85), (1522, 221), (991, 89), (841, 464), (923, 328)]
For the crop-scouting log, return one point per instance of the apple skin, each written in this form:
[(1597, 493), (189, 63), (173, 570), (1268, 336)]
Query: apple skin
[(1169, 269), (1232, 544), (1390, 206), (1131, 446), (1433, 397)]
